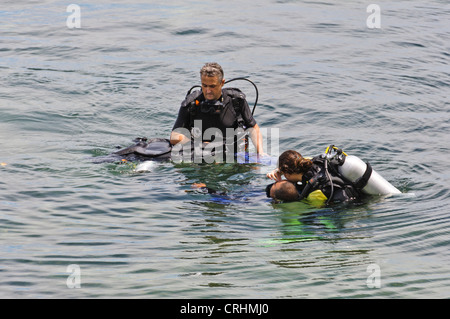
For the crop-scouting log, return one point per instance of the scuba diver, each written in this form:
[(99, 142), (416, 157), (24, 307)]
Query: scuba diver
[(214, 118), (283, 190), (331, 177), (210, 114), (311, 173)]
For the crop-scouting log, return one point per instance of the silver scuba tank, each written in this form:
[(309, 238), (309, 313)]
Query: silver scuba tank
[(355, 170)]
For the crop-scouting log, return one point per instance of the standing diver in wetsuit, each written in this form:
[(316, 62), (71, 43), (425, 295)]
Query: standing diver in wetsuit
[(214, 109)]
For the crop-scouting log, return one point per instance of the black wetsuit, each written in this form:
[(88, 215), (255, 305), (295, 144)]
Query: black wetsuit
[(231, 111)]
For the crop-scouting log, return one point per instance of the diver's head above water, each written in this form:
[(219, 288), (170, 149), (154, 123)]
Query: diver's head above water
[(211, 75), (284, 191), (293, 165)]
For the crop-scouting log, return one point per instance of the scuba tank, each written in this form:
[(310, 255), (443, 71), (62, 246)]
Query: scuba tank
[(361, 174)]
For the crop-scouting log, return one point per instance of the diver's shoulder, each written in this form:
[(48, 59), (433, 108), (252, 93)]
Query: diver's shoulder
[(234, 93), (191, 97)]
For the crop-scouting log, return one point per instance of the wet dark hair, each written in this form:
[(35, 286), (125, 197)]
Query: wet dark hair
[(212, 69), (287, 191), (292, 162)]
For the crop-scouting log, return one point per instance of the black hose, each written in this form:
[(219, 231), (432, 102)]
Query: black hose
[(256, 89), (331, 181)]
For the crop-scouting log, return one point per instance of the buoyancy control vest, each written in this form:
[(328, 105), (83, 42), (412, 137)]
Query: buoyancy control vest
[(324, 180), (200, 109), (219, 116)]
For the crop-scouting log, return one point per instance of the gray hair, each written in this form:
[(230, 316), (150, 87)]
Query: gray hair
[(212, 69)]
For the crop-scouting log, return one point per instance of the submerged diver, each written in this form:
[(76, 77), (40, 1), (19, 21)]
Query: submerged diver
[(310, 172), (330, 177), (208, 114), (285, 191)]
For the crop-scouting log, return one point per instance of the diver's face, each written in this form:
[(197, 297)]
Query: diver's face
[(212, 87), (294, 178)]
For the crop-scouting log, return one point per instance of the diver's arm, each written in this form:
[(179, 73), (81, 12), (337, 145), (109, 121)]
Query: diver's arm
[(256, 136), (180, 133)]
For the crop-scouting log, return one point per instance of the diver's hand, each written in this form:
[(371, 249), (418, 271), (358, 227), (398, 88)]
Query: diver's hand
[(176, 138), (275, 175)]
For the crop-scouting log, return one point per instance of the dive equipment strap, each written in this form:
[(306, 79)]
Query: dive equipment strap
[(361, 182), (310, 185), (235, 79), (339, 159)]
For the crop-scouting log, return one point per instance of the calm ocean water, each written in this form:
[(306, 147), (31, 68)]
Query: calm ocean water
[(324, 76)]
